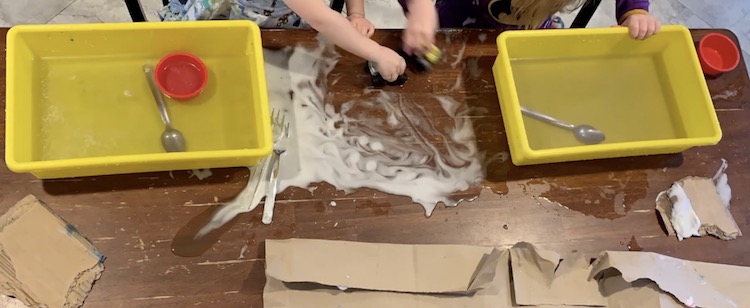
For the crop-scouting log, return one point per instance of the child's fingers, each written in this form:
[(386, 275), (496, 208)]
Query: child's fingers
[(655, 27), (417, 47), (652, 28), (423, 47), (364, 30), (370, 31), (640, 29), (417, 42), (425, 43), (633, 27)]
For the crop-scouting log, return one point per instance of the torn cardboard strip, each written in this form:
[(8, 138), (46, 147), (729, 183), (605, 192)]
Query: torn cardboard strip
[(548, 281), (43, 260), (693, 207), (678, 277), (641, 293), (307, 273), (385, 261)]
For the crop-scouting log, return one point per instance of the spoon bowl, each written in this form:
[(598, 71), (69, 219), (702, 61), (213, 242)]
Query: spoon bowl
[(585, 134), (172, 140)]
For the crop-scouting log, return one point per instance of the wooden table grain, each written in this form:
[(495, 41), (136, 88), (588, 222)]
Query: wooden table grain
[(138, 220)]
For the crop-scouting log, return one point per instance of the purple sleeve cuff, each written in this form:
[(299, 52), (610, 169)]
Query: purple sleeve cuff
[(624, 6)]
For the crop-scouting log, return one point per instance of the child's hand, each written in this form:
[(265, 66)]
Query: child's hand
[(362, 25), (418, 37), (390, 64), (421, 24), (642, 25)]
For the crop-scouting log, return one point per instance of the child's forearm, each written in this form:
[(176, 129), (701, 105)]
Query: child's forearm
[(355, 8), (626, 8), (420, 6), (335, 27), (338, 29)]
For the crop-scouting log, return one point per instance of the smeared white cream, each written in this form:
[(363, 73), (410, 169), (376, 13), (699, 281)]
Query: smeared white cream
[(722, 183), (459, 56), (242, 252), (381, 141), (482, 37), (684, 220), (245, 202), (725, 95)]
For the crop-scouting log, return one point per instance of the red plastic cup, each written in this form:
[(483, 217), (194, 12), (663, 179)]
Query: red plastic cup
[(718, 54), (181, 75)]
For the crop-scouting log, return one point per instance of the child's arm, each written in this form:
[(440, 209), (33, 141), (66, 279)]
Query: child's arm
[(338, 29), (634, 15), (355, 12), (421, 24)]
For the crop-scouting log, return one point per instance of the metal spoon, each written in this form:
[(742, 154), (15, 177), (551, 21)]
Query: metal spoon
[(171, 139), (584, 133)]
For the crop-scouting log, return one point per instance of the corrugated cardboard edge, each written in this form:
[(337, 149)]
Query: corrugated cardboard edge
[(715, 218), (81, 285), (672, 275), (664, 207)]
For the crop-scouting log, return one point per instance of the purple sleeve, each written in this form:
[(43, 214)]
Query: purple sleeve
[(624, 6)]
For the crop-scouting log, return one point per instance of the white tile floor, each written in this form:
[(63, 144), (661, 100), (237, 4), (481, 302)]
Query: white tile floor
[(732, 14)]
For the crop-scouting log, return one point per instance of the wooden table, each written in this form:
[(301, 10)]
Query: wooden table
[(133, 219)]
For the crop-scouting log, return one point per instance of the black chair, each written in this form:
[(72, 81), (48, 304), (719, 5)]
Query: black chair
[(584, 15), (136, 10)]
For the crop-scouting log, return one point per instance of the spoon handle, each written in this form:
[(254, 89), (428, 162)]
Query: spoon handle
[(157, 94), (546, 118)]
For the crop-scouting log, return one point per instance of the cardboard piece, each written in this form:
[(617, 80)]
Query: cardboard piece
[(715, 218), (677, 277), (43, 260), (640, 293), (402, 272), (307, 273), (541, 278), (377, 267)]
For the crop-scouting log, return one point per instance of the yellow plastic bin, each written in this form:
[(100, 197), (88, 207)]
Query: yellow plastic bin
[(648, 97), (79, 104)]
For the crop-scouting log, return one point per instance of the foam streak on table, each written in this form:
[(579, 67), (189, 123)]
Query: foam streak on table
[(133, 219)]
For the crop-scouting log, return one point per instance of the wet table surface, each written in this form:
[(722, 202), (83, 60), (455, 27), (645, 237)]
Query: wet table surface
[(138, 220)]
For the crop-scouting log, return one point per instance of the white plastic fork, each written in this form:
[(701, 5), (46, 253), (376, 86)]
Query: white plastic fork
[(280, 135)]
